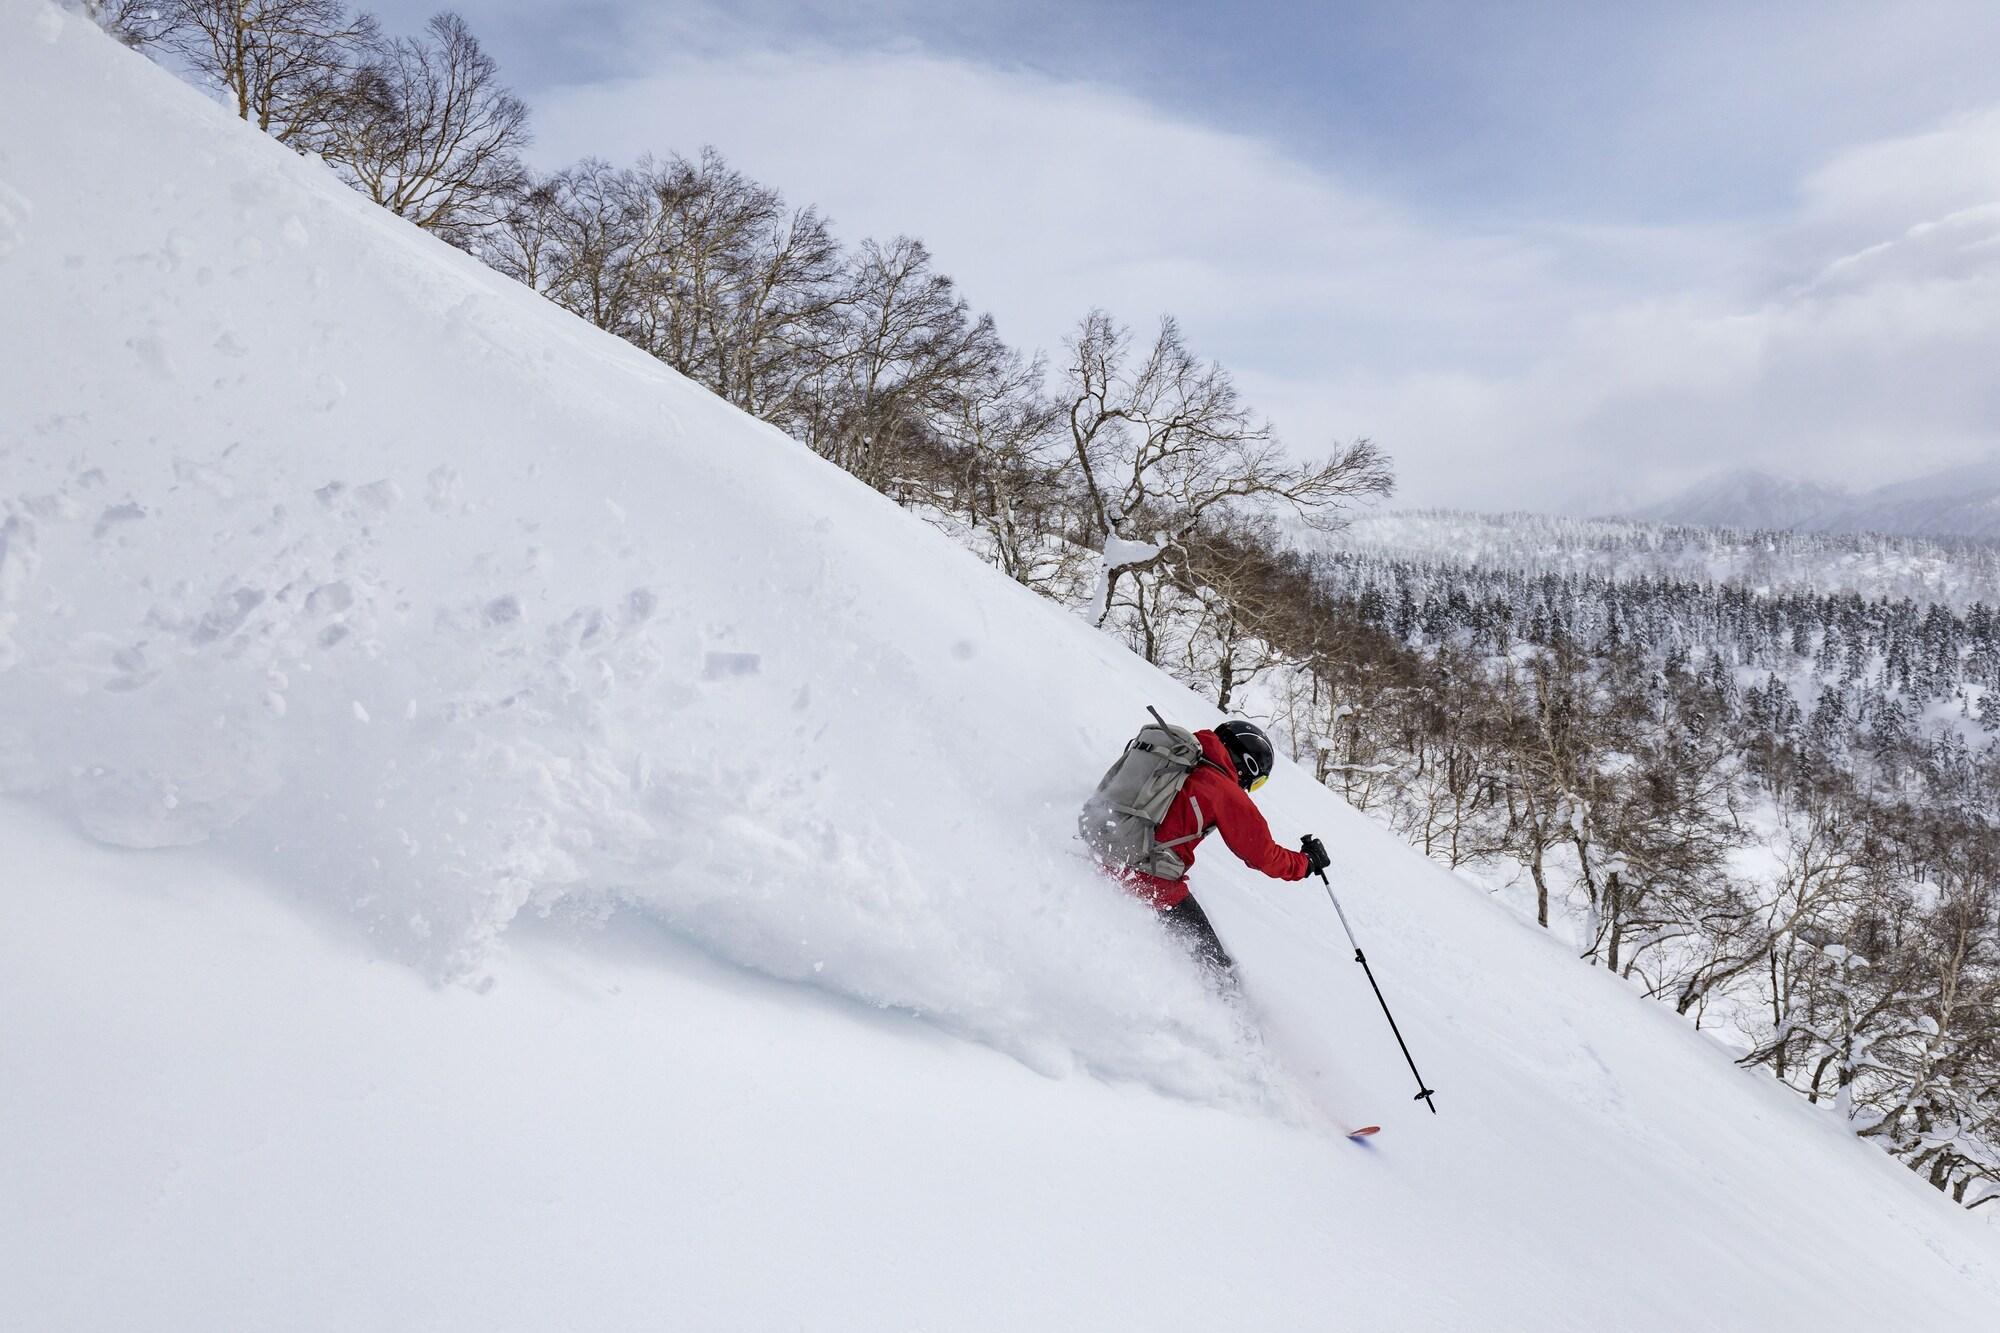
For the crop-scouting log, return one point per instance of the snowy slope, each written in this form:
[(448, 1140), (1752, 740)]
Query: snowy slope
[(599, 868)]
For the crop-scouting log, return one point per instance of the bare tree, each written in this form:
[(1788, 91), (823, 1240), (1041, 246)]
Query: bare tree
[(1824, 873), (911, 352), (743, 293), (1671, 826), (1228, 581), (590, 238), (136, 23), (286, 64), (528, 241), (425, 128), (1000, 437), (1451, 801), (1163, 441)]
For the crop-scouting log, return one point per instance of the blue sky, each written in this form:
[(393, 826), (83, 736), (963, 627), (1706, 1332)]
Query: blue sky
[(1551, 255)]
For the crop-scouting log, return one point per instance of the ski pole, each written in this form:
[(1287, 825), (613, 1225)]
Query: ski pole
[(1424, 1092)]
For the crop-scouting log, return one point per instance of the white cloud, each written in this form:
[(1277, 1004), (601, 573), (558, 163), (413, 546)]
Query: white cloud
[(1046, 197), (1517, 366), (1895, 183)]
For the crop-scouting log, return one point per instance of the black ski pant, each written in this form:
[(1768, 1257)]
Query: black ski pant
[(1190, 924)]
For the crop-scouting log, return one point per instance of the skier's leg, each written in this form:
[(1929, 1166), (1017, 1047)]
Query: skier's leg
[(1186, 919)]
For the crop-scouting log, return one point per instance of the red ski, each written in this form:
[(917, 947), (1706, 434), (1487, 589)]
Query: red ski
[(1364, 1131)]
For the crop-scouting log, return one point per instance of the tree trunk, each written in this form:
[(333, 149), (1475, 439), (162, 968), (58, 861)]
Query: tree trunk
[(1541, 883)]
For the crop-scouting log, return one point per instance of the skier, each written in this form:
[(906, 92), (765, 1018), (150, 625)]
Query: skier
[(1235, 760)]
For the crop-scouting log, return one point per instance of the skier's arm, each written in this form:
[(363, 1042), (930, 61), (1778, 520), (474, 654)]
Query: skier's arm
[(1245, 833)]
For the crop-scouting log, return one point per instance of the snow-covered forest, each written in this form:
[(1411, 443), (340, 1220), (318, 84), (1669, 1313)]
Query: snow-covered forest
[(1754, 775), (1954, 571), (1773, 809)]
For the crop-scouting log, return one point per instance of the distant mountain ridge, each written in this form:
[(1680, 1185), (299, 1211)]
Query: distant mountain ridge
[(1960, 501), (1748, 498)]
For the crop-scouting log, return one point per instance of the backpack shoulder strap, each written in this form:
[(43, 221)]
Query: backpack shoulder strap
[(1200, 826)]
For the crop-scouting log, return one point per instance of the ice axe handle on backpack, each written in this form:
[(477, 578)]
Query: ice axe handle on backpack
[(1424, 1090)]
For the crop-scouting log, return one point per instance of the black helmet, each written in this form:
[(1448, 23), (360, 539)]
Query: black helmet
[(1251, 749)]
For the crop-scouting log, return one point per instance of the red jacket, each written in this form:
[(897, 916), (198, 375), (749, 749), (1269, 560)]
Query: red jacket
[(1225, 806)]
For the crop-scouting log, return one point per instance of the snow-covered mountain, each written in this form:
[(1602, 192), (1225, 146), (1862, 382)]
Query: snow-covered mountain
[(497, 838), (1962, 501), (1749, 498)]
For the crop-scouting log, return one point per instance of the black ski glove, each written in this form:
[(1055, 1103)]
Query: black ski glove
[(1315, 851)]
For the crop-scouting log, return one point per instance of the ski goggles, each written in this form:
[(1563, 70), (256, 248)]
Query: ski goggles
[(1258, 781)]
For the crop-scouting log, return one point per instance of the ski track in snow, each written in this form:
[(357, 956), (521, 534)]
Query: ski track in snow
[(578, 643), (387, 702)]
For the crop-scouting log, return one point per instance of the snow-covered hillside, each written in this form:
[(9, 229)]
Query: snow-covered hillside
[(500, 839)]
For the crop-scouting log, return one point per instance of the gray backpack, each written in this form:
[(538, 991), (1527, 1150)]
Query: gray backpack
[(1121, 820)]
